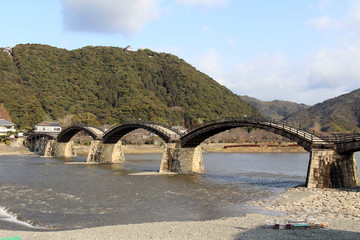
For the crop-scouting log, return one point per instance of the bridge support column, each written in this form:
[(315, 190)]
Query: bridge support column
[(105, 153), (37, 145), (327, 168), (50, 148), (31, 145), (65, 149), (181, 160)]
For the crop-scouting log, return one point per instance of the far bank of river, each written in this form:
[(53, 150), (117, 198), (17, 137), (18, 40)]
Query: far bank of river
[(148, 149)]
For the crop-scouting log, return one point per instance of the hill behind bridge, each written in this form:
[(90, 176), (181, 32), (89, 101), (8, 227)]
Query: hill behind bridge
[(107, 85), (339, 114), (275, 110)]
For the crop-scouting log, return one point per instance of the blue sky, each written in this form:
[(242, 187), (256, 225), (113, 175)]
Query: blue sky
[(305, 51)]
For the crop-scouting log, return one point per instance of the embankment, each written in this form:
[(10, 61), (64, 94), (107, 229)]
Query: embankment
[(9, 150), (252, 148)]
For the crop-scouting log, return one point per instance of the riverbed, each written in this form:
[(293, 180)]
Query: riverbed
[(68, 194)]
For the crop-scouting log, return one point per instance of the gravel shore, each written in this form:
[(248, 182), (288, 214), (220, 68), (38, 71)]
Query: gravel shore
[(340, 208)]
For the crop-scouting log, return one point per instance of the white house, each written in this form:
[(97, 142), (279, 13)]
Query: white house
[(129, 49), (6, 127), (8, 50), (49, 127)]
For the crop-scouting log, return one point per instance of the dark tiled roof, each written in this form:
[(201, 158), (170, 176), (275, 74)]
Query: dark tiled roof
[(4, 122), (51, 124)]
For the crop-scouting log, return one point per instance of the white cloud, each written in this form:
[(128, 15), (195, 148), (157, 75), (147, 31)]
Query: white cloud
[(323, 75), (335, 68), (230, 41), (267, 77), (108, 16), (326, 73), (209, 63), (322, 23), (204, 3), (207, 29), (347, 27)]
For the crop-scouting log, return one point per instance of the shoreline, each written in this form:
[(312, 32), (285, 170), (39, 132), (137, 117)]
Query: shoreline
[(149, 149), (250, 226)]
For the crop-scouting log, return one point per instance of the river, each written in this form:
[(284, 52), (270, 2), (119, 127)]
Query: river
[(61, 194)]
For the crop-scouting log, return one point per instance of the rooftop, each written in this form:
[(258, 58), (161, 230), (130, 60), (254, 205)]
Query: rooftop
[(51, 124), (4, 122)]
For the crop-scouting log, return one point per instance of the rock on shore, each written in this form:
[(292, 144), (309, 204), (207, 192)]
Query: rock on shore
[(338, 207)]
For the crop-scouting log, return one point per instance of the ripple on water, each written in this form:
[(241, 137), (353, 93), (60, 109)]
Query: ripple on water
[(80, 195)]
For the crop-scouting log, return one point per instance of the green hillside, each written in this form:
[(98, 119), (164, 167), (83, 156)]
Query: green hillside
[(276, 110), (339, 114), (107, 85)]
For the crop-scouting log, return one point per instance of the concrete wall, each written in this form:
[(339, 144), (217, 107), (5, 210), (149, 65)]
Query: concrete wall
[(330, 169)]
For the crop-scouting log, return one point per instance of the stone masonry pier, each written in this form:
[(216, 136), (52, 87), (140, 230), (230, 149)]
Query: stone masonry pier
[(105, 153), (327, 169), (60, 149), (181, 160)]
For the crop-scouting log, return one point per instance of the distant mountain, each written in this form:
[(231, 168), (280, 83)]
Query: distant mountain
[(108, 85), (276, 110), (339, 114)]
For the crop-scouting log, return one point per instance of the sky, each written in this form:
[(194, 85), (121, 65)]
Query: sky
[(304, 51)]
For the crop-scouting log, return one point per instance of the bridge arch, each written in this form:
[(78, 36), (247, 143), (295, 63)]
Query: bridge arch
[(66, 134), (47, 136), (116, 133), (195, 137), (36, 142)]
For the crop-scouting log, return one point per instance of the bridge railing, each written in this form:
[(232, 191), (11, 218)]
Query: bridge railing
[(156, 125), (285, 126), (218, 120), (342, 137), (87, 127), (312, 136)]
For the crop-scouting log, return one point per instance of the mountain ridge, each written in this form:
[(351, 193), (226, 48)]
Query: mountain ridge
[(108, 85), (276, 109), (338, 114)]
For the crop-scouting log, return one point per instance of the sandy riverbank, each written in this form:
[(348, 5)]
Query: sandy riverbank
[(344, 223), (7, 150)]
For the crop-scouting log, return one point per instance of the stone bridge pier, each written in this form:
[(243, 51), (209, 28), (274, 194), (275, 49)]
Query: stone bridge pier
[(105, 153), (181, 160), (328, 168), (60, 149)]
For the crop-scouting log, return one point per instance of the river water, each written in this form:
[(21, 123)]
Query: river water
[(61, 194)]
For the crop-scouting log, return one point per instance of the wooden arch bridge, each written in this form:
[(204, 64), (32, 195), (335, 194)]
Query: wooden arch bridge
[(331, 163)]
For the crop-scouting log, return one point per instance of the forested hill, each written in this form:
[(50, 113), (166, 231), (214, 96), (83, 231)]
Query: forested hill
[(339, 114), (276, 110), (107, 85)]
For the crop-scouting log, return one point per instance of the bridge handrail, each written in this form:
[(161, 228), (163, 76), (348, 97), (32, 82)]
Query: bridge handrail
[(277, 124), (154, 125), (84, 126), (218, 120), (342, 137), (42, 133)]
